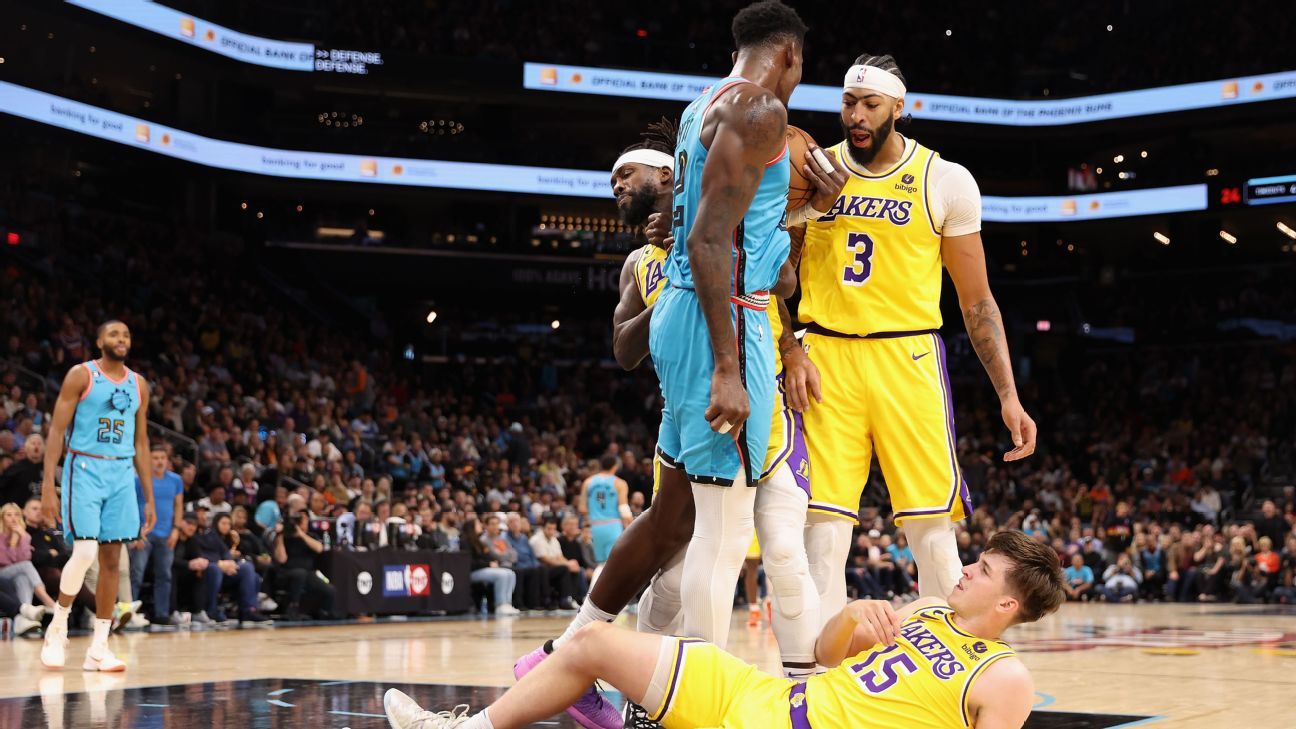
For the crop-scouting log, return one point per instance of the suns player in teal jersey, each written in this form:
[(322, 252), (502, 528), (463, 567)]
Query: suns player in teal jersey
[(605, 502), (101, 415), (710, 337)]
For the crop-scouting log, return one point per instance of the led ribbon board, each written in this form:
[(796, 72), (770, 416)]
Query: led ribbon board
[(937, 107), (100, 123)]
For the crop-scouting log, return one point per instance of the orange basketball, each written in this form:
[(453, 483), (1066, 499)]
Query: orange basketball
[(800, 189)]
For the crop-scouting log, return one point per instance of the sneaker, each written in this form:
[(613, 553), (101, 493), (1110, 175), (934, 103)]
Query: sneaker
[(99, 658), (266, 604), (32, 612), (404, 713), (753, 616), (25, 626), (507, 610), (200, 619), (636, 717), (255, 618), (181, 620), (54, 652), (591, 710), (121, 615), (138, 622)]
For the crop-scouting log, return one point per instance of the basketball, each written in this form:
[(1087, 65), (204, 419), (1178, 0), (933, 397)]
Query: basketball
[(800, 188)]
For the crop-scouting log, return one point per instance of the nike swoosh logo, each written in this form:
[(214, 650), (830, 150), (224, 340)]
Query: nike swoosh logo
[(917, 357)]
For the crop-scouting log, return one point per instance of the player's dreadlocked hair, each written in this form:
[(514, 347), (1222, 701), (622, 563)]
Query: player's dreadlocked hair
[(887, 63), (660, 137), (765, 21)]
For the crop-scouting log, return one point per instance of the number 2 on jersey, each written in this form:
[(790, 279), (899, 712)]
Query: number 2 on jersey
[(861, 267)]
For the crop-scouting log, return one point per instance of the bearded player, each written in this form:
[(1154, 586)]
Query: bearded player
[(871, 285), (101, 414)]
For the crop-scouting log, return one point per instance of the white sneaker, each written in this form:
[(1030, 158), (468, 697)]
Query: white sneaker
[(139, 622), (24, 625), (99, 658), (266, 604), (180, 620), (121, 615), (54, 652), (507, 610), (200, 618), (404, 713), (32, 612)]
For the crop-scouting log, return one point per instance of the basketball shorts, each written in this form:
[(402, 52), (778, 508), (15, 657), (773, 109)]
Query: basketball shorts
[(604, 536), (681, 352), (707, 687), (892, 396), (99, 500)]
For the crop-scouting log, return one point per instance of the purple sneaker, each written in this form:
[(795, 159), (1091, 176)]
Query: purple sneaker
[(591, 710)]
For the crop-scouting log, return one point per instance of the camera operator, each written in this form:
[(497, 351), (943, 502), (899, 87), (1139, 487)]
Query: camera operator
[(295, 552)]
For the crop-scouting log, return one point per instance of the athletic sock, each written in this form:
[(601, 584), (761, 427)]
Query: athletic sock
[(60, 620), (478, 721), (101, 627), (589, 613)]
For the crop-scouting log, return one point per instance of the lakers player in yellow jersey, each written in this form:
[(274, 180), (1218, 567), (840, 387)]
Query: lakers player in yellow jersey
[(935, 664), (870, 298)]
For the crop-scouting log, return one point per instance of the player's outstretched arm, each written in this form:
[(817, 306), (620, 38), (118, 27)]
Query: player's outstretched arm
[(74, 384), (1002, 697), (749, 126), (631, 318), (142, 455), (964, 258)]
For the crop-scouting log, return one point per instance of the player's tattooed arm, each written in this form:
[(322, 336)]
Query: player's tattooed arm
[(964, 258), (985, 328), (631, 319), (747, 127)]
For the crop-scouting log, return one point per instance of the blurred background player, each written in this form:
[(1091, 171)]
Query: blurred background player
[(101, 414), (603, 501), (871, 284)]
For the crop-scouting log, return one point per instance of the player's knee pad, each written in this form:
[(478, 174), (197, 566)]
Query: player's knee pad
[(84, 553), (659, 608), (934, 544), (828, 543)]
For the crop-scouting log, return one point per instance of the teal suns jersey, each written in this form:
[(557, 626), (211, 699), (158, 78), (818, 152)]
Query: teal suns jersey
[(760, 242), (104, 421)]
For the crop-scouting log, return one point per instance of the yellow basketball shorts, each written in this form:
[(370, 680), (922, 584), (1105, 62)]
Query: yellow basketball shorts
[(708, 687), (890, 396)]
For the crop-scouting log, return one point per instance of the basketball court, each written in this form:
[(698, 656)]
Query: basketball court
[(1095, 665)]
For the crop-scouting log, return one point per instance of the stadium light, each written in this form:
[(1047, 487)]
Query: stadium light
[(1228, 237), (431, 317), (1286, 230), (554, 324), (1118, 158), (1162, 238)]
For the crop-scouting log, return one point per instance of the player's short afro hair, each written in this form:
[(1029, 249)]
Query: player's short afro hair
[(765, 21)]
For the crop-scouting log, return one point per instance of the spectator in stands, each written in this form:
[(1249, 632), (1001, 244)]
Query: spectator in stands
[(1079, 579), (486, 568), (16, 562), (573, 550), (1285, 586), (26, 620), (214, 502), (1213, 575), (250, 545), (212, 451), (295, 551), (224, 570), (49, 553), (270, 512), (246, 482), (22, 479), (1271, 523), (562, 574), (1150, 562), (864, 564), (158, 545), (1181, 558), (1121, 580)]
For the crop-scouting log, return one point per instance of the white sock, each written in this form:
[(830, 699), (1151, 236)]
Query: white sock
[(722, 533), (60, 620), (100, 640), (589, 613), (478, 721)]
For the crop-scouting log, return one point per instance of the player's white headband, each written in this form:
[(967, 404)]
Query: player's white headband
[(650, 157), (872, 78)]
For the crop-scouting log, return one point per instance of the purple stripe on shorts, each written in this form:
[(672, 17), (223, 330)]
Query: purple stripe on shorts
[(787, 430), (799, 707), (960, 489), (675, 679), (820, 506), (799, 459)]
